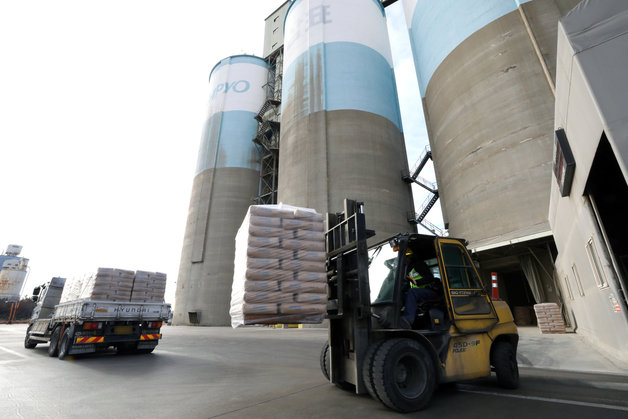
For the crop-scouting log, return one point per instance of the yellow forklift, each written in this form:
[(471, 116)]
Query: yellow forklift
[(461, 334)]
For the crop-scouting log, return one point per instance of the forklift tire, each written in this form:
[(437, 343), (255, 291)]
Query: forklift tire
[(505, 363), (367, 368), (53, 347), (65, 344), (325, 368), (29, 344), (404, 375), (324, 360)]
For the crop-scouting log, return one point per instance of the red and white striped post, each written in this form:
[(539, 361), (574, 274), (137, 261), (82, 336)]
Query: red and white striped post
[(495, 286)]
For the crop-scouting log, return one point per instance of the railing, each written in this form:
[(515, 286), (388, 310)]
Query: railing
[(437, 231)]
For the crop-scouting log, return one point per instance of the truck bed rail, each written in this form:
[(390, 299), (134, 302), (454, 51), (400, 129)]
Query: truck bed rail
[(110, 310)]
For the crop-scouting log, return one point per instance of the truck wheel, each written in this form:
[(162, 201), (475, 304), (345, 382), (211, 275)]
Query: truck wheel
[(367, 368), (65, 344), (29, 344), (404, 375), (505, 363), (53, 347)]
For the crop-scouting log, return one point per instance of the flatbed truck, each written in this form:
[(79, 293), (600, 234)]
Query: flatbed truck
[(85, 326)]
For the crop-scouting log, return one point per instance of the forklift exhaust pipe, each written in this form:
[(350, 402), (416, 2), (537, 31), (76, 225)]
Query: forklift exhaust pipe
[(494, 286)]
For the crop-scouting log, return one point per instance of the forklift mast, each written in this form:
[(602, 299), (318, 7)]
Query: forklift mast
[(348, 304)]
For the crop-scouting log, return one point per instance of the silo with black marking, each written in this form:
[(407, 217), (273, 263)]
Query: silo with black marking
[(341, 133)]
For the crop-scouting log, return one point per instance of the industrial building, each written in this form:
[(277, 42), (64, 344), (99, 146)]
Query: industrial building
[(326, 126), (589, 192), (13, 272)]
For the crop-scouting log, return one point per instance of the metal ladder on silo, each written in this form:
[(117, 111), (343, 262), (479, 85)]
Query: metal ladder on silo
[(267, 138), (430, 201)]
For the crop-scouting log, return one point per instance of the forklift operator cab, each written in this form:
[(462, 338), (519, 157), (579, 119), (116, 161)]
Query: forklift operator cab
[(386, 264)]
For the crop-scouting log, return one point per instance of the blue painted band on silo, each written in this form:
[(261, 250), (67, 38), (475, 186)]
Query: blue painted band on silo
[(356, 77), (438, 27), (4, 258), (237, 59), (227, 142)]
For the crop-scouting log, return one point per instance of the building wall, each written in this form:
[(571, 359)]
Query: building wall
[(13, 270), (591, 100), (225, 184), (341, 134), (489, 110), (273, 34)]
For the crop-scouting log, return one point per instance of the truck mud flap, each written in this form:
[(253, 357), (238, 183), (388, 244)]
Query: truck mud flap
[(81, 349), (147, 344)]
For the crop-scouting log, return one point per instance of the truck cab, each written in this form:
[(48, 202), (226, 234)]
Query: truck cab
[(458, 334)]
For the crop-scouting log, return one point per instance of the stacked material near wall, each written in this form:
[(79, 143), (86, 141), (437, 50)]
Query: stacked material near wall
[(549, 318), (279, 274), (341, 133), (226, 181)]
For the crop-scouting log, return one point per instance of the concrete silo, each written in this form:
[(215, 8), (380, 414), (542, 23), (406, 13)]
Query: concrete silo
[(341, 134), (486, 70), (225, 184)]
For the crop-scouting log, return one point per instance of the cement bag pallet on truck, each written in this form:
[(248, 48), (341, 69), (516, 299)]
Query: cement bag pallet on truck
[(279, 267), (117, 285), (107, 284), (148, 287)]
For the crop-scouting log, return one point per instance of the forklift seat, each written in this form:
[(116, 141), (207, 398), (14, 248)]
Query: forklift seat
[(431, 314)]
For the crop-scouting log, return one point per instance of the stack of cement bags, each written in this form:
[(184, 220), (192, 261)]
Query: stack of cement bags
[(109, 285), (279, 272), (148, 287), (549, 318), (118, 285), (73, 288)]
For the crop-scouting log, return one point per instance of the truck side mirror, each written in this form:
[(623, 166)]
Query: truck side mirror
[(36, 291), (35, 298)]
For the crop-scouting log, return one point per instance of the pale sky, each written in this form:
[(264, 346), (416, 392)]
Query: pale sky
[(101, 110)]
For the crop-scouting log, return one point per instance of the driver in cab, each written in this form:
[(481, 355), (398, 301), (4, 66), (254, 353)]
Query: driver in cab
[(422, 287)]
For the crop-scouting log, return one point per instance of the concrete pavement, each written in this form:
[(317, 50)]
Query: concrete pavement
[(567, 352), (202, 372)]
